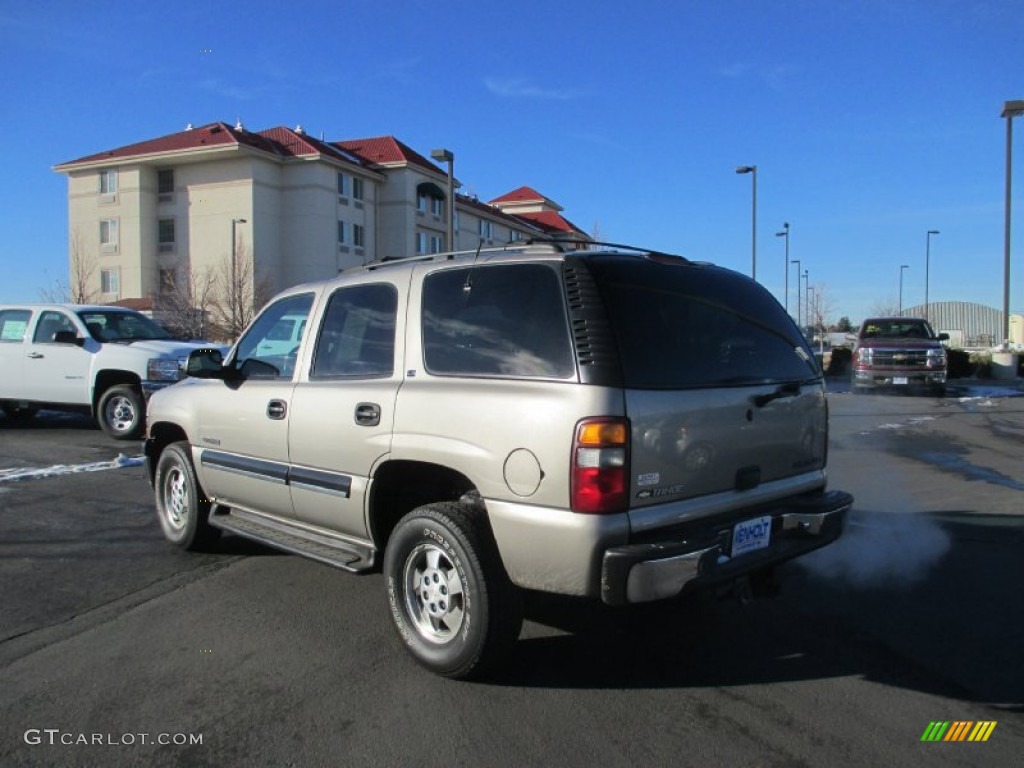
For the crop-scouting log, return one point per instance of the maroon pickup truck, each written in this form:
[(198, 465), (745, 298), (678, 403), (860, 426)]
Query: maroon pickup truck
[(899, 352)]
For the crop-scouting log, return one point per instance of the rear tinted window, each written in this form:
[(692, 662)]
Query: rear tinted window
[(680, 326), (496, 320)]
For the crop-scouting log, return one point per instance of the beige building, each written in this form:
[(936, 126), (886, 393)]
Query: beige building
[(144, 217)]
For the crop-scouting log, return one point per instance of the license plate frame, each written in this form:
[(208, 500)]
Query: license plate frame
[(900, 380), (751, 535)]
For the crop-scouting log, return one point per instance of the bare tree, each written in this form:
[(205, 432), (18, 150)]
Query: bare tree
[(81, 288), (238, 293), (819, 311), (185, 306), (887, 307)]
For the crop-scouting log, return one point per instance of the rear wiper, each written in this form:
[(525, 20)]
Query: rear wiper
[(792, 389)]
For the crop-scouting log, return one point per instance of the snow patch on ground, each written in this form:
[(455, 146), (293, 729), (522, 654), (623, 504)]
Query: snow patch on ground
[(36, 473)]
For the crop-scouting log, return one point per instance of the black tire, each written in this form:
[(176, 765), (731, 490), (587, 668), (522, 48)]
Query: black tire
[(181, 505), (451, 600), (122, 412), (18, 413)]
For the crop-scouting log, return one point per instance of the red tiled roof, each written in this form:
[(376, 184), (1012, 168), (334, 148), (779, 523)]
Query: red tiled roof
[(384, 150), (296, 143), (521, 195), (466, 201), (280, 141), (204, 137), (550, 221)]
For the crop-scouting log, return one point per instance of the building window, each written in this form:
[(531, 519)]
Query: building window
[(108, 234), (165, 236), (358, 235), (421, 242), (341, 232), (108, 182), (485, 229), (357, 188), (516, 236), (342, 185), (437, 206), (421, 203), (167, 281), (436, 243), (165, 184), (110, 281)]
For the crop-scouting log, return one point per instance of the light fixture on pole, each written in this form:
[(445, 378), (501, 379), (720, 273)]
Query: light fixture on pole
[(798, 316), (752, 170), (785, 291), (234, 278), (902, 267), (1011, 109), (446, 156), (927, 259)]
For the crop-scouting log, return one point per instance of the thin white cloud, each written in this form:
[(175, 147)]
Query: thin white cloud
[(220, 88), (775, 77), (521, 88), (597, 139)]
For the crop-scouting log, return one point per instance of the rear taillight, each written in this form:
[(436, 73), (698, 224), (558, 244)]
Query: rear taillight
[(600, 466)]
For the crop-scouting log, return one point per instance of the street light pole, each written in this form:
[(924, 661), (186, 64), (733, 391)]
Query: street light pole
[(785, 291), (234, 278), (807, 297), (902, 267), (1011, 109), (797, 262), (444, 155), (752, 170), (927, 259)]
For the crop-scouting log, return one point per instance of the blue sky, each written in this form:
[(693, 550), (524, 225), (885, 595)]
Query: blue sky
[(870, 122)]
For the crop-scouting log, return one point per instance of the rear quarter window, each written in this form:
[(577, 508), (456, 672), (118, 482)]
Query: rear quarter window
[(688, 326), (503, 320), (13, 324)]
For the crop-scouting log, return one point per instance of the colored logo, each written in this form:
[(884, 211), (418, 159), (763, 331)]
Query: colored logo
[(958, 730)]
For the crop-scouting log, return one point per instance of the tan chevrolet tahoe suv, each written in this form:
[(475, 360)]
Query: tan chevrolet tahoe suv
[(611, 423)]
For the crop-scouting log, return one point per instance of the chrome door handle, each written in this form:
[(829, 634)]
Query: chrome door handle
[(36, 355), (368, 414), (277, 409)]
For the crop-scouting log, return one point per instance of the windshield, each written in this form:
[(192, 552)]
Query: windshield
[(896, 329), (111, 325)]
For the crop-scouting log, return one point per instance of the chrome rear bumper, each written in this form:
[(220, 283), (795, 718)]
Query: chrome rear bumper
[(637, 573)]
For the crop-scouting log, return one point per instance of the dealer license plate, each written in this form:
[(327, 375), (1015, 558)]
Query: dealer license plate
[(899, 379), (751, 535)]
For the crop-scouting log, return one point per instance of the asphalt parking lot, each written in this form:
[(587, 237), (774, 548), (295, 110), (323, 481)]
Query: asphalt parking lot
[(274, 660)]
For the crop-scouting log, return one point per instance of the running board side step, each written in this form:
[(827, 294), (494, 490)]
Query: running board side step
[(280, 534)]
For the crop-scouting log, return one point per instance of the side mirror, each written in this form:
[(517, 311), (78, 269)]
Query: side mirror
[(943, 337), (68, 337), (205, 364)]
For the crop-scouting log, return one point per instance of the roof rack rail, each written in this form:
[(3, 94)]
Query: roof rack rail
[(445, 255), (617, 246)]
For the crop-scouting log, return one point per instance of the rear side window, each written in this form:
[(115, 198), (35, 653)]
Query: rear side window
[(504, 320), (688, 326), (13, 324), (357, 337)]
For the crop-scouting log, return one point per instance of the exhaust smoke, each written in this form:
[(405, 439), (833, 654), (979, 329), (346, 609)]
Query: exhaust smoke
[(881, 549)]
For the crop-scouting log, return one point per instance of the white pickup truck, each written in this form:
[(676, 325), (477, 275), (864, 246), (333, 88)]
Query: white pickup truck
[(100, 360)]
